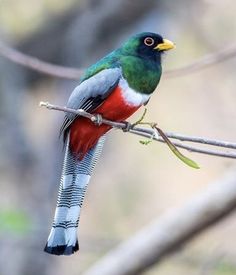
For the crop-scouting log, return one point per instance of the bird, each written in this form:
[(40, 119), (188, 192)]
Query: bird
[(115, 87)]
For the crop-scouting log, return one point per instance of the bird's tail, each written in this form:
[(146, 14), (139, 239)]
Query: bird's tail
[(76, 174)]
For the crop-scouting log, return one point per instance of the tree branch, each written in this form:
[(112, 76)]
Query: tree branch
[(73, 73), (166, 234), (38, 65), (204, 62), (152, 134), (208, 141)]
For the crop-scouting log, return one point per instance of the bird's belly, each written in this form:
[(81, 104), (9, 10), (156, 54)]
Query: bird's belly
[(84, 134)]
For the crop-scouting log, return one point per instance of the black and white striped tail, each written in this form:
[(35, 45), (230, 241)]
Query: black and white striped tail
[(75, 177)]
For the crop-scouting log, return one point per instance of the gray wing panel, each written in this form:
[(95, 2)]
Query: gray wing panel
[(90, 94), (99, 85)]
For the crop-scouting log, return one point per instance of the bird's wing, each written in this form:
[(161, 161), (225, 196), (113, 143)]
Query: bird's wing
[(91, 93)]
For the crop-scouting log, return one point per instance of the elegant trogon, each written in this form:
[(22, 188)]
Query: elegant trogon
[(115, 87)]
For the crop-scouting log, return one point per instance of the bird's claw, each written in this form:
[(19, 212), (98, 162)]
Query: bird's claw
[(97, 119), (127, 127)]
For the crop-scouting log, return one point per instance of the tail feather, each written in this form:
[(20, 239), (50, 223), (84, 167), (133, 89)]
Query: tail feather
[(75, 177)]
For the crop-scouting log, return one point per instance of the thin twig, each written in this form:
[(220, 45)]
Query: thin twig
[(151, 133), (143, 132), (204, 140), (73, 73)]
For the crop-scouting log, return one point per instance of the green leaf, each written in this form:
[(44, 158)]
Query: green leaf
[(14, 221), (178, 154), (145, 142)]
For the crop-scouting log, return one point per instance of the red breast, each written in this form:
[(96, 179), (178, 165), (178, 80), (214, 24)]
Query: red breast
[(84, 134)]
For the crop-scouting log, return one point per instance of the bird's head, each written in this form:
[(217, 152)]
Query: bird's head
[(147, 44)]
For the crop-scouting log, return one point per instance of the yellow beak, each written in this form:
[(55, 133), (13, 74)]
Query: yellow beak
[(165, 46)]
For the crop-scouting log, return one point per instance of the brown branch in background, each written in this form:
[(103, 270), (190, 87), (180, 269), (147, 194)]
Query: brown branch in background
[(204, 62), (73, 73), (38, 65), (170, 231), (152, 134)]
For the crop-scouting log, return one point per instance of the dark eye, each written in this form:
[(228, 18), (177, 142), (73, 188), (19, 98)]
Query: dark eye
[(148, 41)]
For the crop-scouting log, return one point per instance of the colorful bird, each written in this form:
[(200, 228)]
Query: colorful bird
[(115, 87)]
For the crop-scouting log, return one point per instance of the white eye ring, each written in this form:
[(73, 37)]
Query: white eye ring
[(148, 41)]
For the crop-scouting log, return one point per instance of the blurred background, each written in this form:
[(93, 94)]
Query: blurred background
[(133, 184)]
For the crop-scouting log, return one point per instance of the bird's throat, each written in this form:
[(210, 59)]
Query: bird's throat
[(142, 75)]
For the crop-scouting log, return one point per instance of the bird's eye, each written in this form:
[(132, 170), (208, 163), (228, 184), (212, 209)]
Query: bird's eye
[(148, 41)]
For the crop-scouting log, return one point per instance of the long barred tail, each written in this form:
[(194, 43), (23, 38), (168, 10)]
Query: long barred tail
[(75, 177)]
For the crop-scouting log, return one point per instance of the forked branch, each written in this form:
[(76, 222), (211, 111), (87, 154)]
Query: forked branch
[(150, 133)]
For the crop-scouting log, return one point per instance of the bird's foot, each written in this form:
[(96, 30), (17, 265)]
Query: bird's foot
[(97, 119), (127, 127)]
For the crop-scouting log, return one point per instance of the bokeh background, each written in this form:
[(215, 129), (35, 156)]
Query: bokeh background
[(133, 184)]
